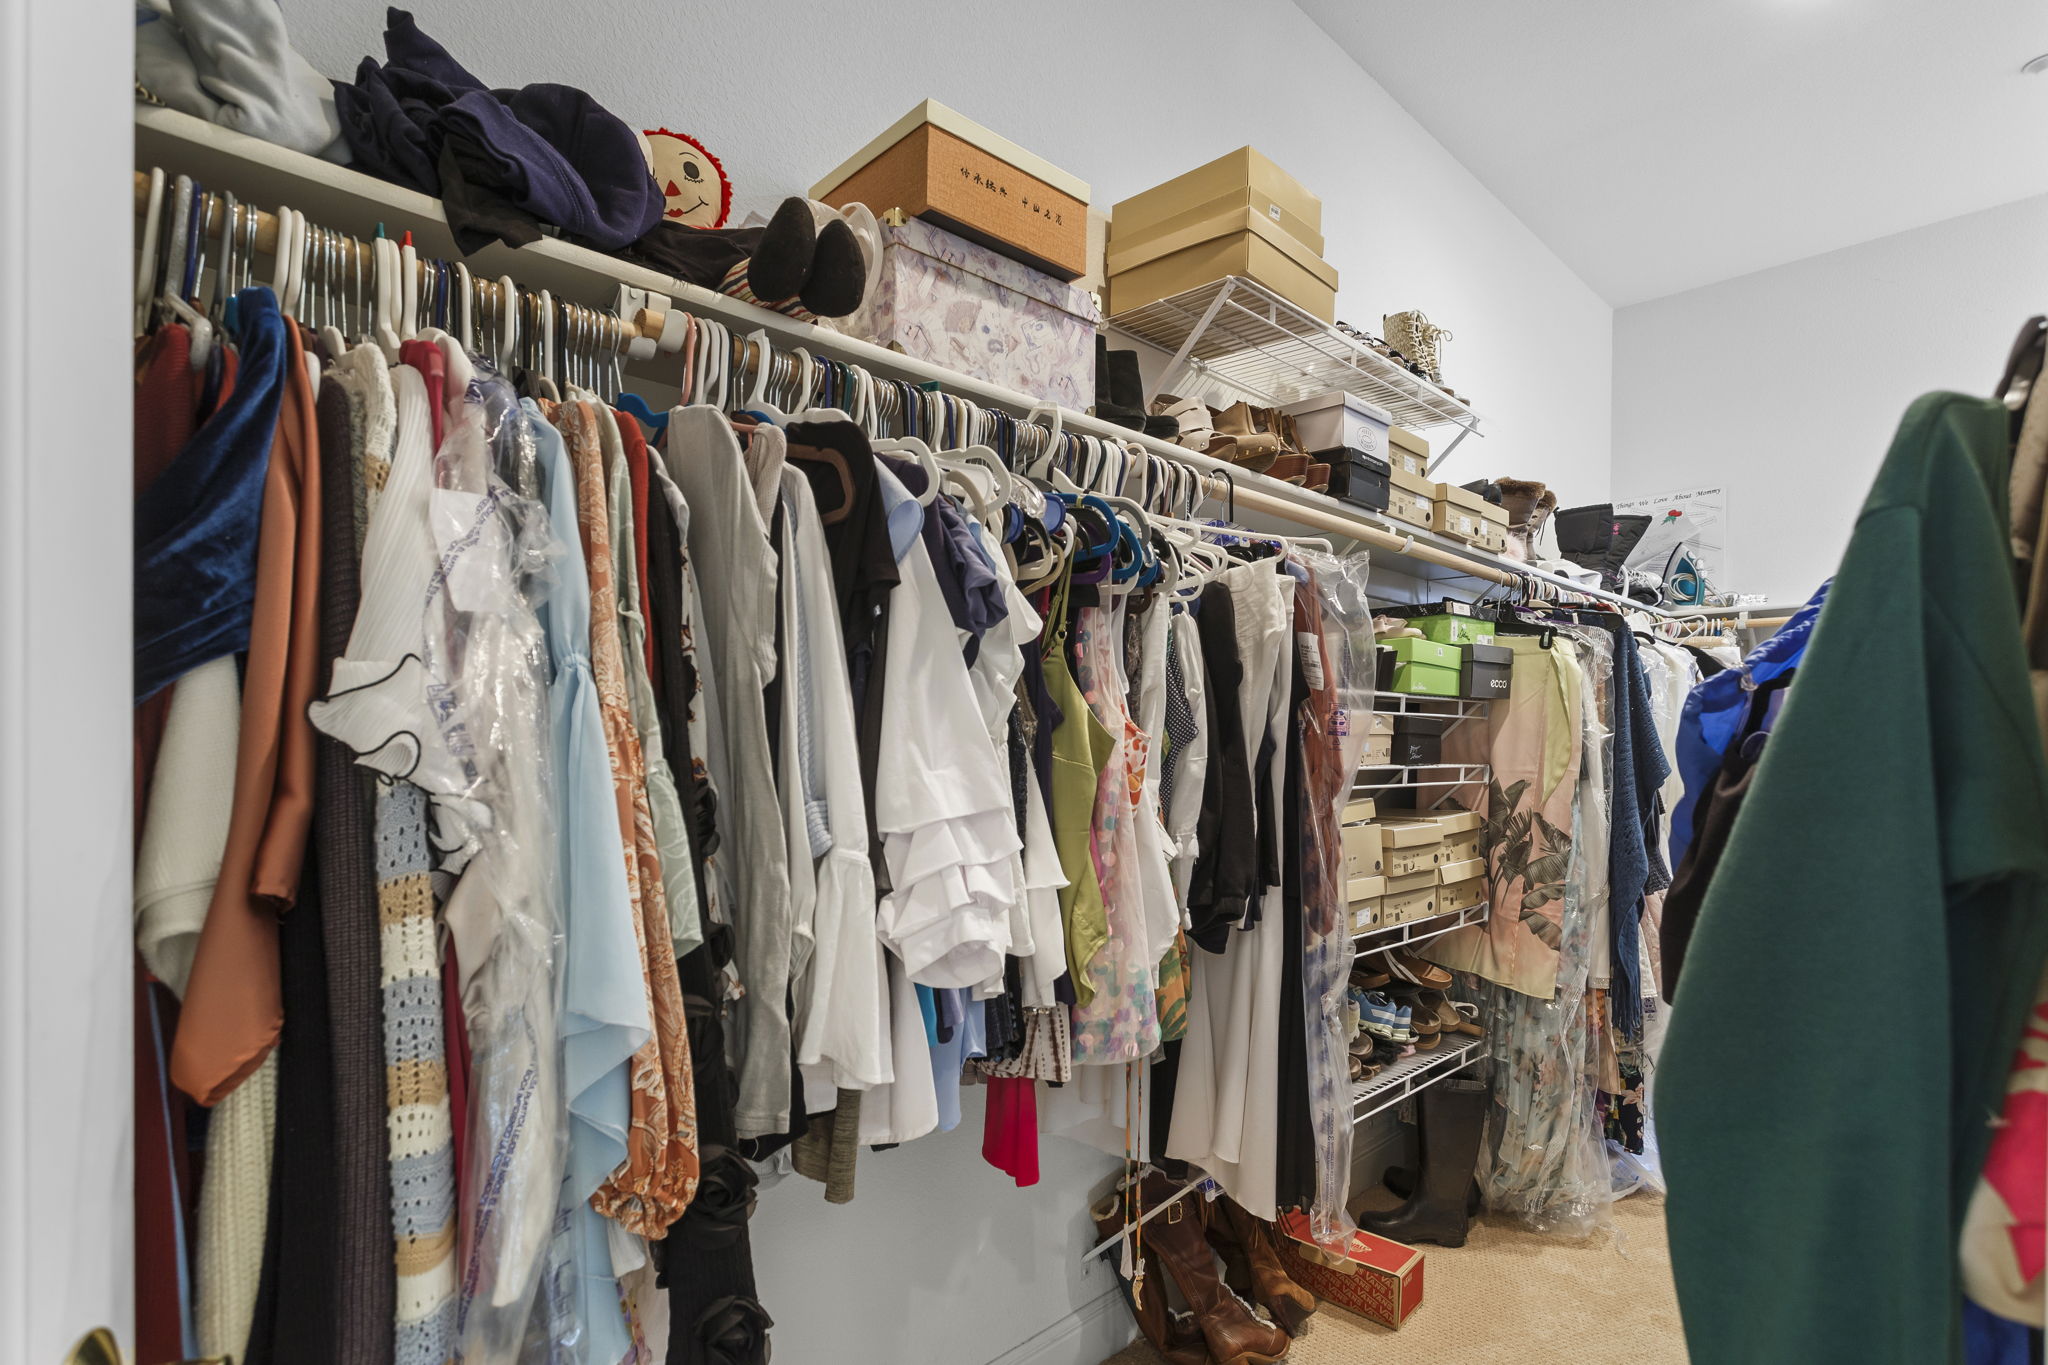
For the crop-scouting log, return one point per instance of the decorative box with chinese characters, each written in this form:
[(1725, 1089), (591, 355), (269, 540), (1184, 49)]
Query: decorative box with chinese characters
[(963, 306), (940, 166), (1372, 1276)]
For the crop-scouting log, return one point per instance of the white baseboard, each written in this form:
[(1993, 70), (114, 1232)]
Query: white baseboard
[(1380, 1142), (1089, 1335)]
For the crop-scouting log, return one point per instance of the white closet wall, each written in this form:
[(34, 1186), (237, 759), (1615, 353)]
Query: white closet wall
[(1786, 385), (66, 755)]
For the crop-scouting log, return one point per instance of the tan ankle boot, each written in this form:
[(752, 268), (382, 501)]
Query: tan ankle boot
[(1233, 1334)]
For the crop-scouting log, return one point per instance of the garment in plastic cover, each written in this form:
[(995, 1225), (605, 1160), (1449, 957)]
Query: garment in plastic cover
[(504, 916), (1337, 660)]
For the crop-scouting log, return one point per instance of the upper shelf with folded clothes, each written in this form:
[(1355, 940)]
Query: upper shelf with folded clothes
[(268, 175)]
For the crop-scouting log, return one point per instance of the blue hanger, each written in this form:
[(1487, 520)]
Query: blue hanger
[(655, 422)]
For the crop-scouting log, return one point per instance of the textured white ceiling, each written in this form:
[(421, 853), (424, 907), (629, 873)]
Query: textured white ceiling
[(1657, 147)]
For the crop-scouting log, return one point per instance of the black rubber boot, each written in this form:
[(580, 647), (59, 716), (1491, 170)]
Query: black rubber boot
[(1453, 1119), (1400, 1182)]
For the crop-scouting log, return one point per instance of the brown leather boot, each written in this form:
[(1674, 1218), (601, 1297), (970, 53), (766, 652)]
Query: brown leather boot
[(1520, 497), (1233, 1334), (1251, 1259), (1173, 1335)]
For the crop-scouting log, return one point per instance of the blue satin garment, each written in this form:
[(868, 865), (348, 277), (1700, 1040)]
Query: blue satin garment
[(196, 526)]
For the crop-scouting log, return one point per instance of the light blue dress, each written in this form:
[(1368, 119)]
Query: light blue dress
[(605, 1011)]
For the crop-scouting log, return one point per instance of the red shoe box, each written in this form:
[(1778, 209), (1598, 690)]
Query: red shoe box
[(1373, 1277)]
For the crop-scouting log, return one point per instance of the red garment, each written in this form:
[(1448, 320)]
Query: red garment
[(635, 443), (160, 1176), (427, 358), (1009, 1133), (456, 1040)]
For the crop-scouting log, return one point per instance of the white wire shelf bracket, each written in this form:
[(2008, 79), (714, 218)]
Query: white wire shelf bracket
[(1416, 930), (1242, 333), (1411, 1075)]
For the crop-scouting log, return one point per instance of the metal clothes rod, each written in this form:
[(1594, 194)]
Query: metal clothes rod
[(361, 256)]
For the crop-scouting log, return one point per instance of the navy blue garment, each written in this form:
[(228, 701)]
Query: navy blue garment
[(1989, 1339), (196, 525), (1635, 864), (967, 580), (549, 152), (1714, 711)]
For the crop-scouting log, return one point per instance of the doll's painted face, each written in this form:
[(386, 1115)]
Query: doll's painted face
[(691, 179)]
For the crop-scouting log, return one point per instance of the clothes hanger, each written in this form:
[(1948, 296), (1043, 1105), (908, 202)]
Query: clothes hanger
[(181, 263), (915, 447), (384, 296), (762, 357), (145, 271)]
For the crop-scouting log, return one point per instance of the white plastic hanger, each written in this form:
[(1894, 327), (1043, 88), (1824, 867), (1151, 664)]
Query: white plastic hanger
[(409, 320), (330, 260), (547, 337), (281, 256), (922, 453), (146, 269), (385, 300), (508, 321), (184, 244), (757, 399)]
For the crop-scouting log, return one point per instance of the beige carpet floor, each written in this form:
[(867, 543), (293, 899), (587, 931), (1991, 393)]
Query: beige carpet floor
[(1513, 1297)]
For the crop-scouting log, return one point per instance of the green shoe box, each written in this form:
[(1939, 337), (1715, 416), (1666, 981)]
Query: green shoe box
[(1423, 668), (1454, 630)]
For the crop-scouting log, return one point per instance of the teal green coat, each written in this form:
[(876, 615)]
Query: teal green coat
[(1871, 942)]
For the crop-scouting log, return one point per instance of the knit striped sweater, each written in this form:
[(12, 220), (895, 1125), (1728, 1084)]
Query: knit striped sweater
[(416, 1082)]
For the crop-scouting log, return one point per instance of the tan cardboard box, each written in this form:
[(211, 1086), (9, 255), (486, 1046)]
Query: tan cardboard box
[(1246, 171), (1449, 873), (1407, 451), (940, 165), (1456, 522), (1410, 897), (1363, 851), (1410, 846), (1240, 242), (1462, 895)]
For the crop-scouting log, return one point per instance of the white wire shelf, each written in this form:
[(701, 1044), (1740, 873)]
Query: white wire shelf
[(1242, 333), (1466, 774), (1416, 930), (1410, 1075), (1421, 704)]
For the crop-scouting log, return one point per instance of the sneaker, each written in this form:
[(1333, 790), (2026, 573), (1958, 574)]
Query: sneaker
[(1382, 1018)]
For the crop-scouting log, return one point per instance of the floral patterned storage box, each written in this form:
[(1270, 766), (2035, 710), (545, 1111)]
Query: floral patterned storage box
[(946, 300)]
